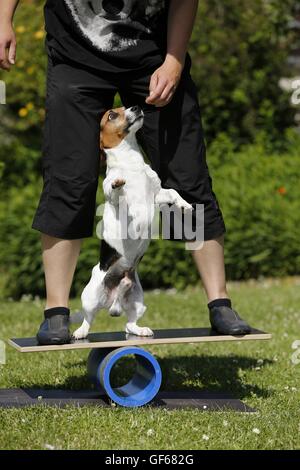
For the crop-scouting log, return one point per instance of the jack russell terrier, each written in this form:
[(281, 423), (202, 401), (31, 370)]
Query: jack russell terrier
[(115, 285)]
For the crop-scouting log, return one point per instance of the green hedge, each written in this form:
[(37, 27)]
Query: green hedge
[(258, 193), (239, 50), (260, 198)]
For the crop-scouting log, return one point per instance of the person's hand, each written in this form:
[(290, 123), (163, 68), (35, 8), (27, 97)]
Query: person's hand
[(8, 46), (164, 81)]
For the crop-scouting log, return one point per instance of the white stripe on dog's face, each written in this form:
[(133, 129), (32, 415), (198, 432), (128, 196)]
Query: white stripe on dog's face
[(115, 25), (117, 123), (135, 118)]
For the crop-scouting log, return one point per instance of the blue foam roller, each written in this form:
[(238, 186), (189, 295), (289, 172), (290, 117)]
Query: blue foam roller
[(143, 386)]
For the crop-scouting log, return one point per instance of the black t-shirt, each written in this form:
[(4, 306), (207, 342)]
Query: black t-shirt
[(110, 35)]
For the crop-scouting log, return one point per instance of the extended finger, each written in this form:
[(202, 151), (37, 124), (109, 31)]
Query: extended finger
[(12, 52), (165, 101), (170, 89), (152, 85), (156, 93)]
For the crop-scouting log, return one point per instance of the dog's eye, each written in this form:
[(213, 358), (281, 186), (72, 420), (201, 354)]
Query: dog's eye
[(112, 115)]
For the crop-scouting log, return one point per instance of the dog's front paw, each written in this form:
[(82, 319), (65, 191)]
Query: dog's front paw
[(185, 206), (145, 331), (134, 329), (80, 333), (118, 183)]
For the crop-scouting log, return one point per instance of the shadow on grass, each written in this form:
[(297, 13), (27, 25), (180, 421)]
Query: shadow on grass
[(213, 373)]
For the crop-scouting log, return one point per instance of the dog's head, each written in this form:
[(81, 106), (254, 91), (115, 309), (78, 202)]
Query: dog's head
[(118, 123)]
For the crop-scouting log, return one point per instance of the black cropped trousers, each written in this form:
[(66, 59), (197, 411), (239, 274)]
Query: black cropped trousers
[(171, 137)]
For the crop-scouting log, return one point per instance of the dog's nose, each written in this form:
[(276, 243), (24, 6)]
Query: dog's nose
[(135, 109)]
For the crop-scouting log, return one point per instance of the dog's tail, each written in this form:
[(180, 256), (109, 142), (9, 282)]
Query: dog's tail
[(76, 317)]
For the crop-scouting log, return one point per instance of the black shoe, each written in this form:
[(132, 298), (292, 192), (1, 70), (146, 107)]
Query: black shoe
[(226, 321), (55, 327)]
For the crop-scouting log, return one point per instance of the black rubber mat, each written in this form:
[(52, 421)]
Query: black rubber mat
[(202, 400)]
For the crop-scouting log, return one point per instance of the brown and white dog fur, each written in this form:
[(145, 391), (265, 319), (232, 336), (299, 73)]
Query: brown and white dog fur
[(116, 287)]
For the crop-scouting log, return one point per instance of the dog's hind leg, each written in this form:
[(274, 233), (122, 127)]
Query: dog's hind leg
[(93, 298), (133, 305)]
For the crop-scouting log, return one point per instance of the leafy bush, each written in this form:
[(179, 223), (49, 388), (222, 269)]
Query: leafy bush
[(239, 50), (22, 118), (260, 199)]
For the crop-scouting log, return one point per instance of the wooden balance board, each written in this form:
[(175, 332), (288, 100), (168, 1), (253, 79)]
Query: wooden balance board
[(119, 339), (107, 349)]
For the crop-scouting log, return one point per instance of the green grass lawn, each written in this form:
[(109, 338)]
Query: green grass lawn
[(260, 373)]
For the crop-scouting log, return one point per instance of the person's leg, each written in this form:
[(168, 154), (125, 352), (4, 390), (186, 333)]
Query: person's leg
[(59, 261), (76, 99), (209, 259), (172, 138)]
